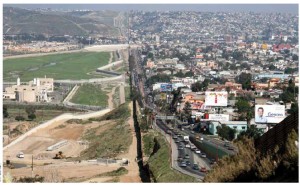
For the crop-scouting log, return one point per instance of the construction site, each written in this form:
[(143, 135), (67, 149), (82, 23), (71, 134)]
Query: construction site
[(54, 149)]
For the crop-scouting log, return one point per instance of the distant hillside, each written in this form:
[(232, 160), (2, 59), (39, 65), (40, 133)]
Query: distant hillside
[(17, 21)]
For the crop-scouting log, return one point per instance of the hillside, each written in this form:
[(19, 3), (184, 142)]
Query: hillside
[(17, 21), (276, 162)]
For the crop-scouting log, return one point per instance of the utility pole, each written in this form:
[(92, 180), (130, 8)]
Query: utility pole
[(32, 167)]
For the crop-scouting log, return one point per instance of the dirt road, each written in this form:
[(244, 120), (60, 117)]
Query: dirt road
[(133, 169)]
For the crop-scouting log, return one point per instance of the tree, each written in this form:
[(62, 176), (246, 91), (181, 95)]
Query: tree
[(272, 67), (19, 118), (226, 132), (251, 132), (245, 110), (294, 108), (189, 74), (31, 116), (198, 86), (30, 110), (245, 80), (5, 113), (179, 74), (187, 109)]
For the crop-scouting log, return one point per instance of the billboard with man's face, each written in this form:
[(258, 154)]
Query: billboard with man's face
[(213, 98), (269, 113)]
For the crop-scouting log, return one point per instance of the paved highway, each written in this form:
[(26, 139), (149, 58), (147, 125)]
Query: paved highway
[(193, 158)]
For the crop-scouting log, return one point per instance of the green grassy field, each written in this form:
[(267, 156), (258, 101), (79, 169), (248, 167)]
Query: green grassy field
[(89, 94), (74, 66)]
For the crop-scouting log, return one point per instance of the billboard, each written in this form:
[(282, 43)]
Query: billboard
[(213, 98), (269, 113), (165, 87), (218, 117)]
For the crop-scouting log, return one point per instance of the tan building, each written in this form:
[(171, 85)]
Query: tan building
[(35, 91)]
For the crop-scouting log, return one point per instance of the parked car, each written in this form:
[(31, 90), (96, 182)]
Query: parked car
[(188, 163), (20, 155), (226, 144), (213, 161), (175, 137), (203, 155), (203, 169), (201, 139), (195, 167), (177, 141)]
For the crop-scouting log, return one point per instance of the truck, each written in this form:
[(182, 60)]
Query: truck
[(186, 138)]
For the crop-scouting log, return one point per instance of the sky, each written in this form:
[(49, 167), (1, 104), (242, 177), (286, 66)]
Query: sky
[(283, 8)]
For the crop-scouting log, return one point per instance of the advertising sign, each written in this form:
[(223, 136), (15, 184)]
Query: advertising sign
[(165, 87), (269, 113), (218, 117), (216, 98)]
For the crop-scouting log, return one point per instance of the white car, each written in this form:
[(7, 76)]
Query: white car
[(203, 155), (20, 155), (187, 146), (201, 139), (197, 151)]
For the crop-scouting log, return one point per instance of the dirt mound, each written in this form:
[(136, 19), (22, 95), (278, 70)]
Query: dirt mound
[(74, 121), (43, 156), (70, 132)]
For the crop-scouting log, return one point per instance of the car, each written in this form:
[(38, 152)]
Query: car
[(201, 139), (203, 169), (177, 141), (192, 132), (197, 151), (195, 167), (188, 163), (180, 148), (197, 137), (180, 158), (187, 146), (203, 155), (175, 137), (182, 164), (20, 155), (169, 131), (186, 156), (213, 161), (226, 144), (182, 129)]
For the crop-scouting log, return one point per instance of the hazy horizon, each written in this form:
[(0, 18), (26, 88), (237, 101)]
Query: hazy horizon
[(267, 8)]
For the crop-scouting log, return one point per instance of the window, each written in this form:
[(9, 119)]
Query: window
[(243, 128), (234, 127)]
